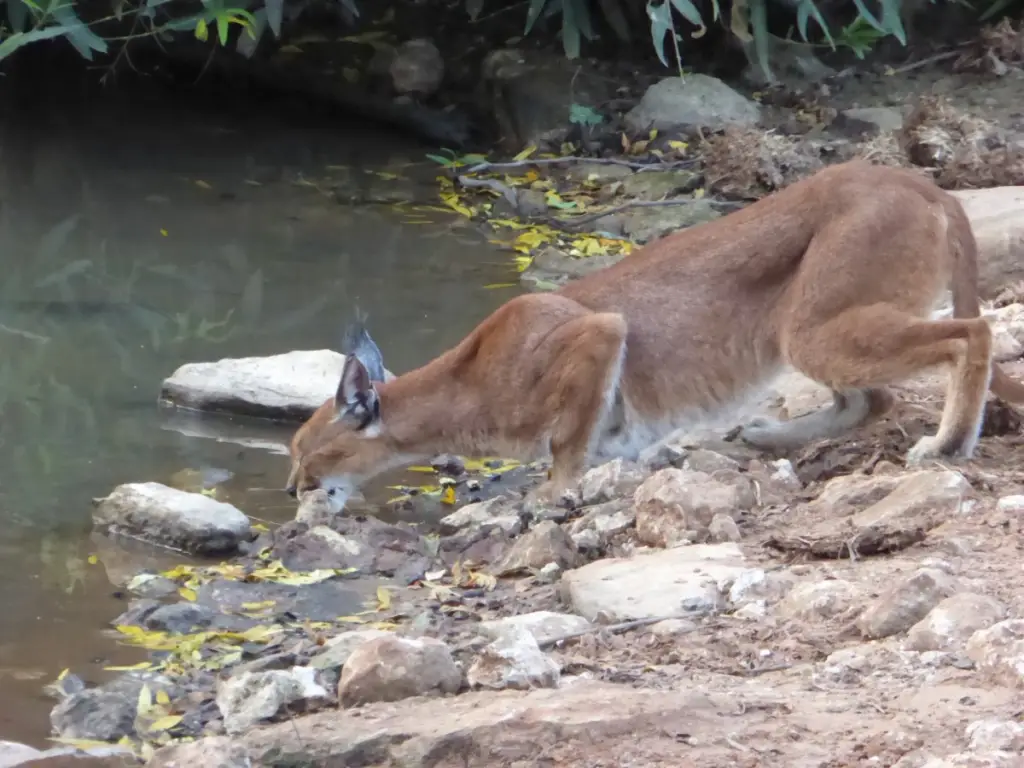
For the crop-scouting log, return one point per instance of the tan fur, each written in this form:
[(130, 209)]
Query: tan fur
[(835, 275)]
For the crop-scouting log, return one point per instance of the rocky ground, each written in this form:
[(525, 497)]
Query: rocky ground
[(706, 606)]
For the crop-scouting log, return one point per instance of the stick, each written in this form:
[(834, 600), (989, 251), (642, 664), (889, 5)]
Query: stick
[(576, 159), (495, 186), (615, 629), (583, 220)]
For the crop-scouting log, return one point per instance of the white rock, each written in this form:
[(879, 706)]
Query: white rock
[(609, 481), (997, 219), (337, 650), (543, 625), (905, 602), (994, 734), (12, 753), (1000, 649), (661, 583), (164, 515), (694, 101), (673, 627), (393, 668), (952, 622), (287, 386), (819, 600), (673, 503), (345, 546), (491, 512), (252, 697), (514, 660), (1011, 504)]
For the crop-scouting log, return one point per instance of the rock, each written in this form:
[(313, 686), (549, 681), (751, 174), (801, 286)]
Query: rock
[(550, 573), (314, 508), (551, 267), (673, 627), (323, 601), (606, 519), (152, 586), (417, 67), (348, 552), (514, 660), (544, 626), (598, 722), (1011, 504), (642, 225), (673, 504), (103, 714), (755, 584), (910, 506), (393, 668), (690, 103), (597, 173), (250, 698), (905, 603), (661, 583), (1000, 649), (952, 622), (657, 185), (289, 386), (610, 481), (448, 464), (532, 93), (997, 219), (868, 121), (337, 650), (162, 515), (92, 756), (723, 528), (819, 600), (12, 753), (587, 541), (709, 462), (992, 735), (545, 543), (493, 512), (179, 618)]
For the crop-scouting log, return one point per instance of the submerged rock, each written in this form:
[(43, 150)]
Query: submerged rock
[(288, 386), (163, 515)]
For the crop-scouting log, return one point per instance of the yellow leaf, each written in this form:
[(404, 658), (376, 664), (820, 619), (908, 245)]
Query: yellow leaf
[(130, 668), (351, 620), (698, 194), (457, 573), (164, 723), (188, 594), (387, 175), (429, 470), (653, 134), (203, 184), (259, 527), (490, 286), (145, 700), (83, 744), (452, 201), (525, 153), (202, 33), (260, 606), (92, 559), (163, 698), (448, 496), (383, 599), (163, 232), (63, 674)]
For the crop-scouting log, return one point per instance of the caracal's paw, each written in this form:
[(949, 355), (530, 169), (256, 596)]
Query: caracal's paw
[(930, 447), (760, 432)]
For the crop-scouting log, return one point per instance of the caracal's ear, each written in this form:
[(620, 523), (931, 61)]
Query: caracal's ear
[(356, 341), (356, 399)]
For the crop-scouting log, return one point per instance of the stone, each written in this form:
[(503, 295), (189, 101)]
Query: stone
[(163, 515), (723, 528), (393, 668), (673, 627), (347, 550), (673, 503), (179, 618), (314, 508), (997, 219), (999, 649), (819, 600), (253, 697), (587, 541), (1011, 504), (545, 543), (337, 650), (514, 660), (905, 603), (103, 714), (642, 225), (755, 584), (417, 67), (691, 103), (551, 267), (493, 512), (544, 626), (657, 185), (550, 573), (993, 734), (151, 585), (949, 625), (323, 601), (12, 753), (659, 583), (606, 520), (595, 722), (868, 121), (289, 386), (610, 481)]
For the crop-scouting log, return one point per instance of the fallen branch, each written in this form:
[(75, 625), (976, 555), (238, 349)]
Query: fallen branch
[(25, 334), (591, 218), (615, 629), (495, 186), (480, 167)]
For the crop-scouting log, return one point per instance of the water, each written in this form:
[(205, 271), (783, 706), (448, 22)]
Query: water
[(132, 239)]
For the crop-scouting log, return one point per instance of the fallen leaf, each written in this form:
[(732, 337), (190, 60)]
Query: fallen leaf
[(164, 723), (92, 559), (383, 599), (203, 184), (525, 153), (188, 594)]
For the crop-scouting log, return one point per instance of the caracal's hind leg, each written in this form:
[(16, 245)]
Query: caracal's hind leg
[(872, 346), (850, 408), (577, 391)]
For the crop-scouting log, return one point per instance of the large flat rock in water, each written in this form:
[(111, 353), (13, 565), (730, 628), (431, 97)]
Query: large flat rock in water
[(288, 387), (669, 582)]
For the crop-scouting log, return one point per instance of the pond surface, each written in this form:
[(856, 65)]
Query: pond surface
[(139, 232)]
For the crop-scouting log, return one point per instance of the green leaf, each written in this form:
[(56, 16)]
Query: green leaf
[(222, 29), (570, 30), (581, 114), (275, 11), (536, 6), (79, 35), (759, 27), (891, 20), (869, 17), (17, 15), (808, 10), (18, 39), (688, 11), (202, 32), (247, 43), (661, 22)]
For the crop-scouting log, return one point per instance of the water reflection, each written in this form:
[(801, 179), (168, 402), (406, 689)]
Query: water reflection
[(137, 235)]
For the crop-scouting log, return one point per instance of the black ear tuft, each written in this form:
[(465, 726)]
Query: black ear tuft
[(356, 341), (356, 397)]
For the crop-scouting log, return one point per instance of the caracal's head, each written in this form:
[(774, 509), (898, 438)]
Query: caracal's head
[(343, 443)]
